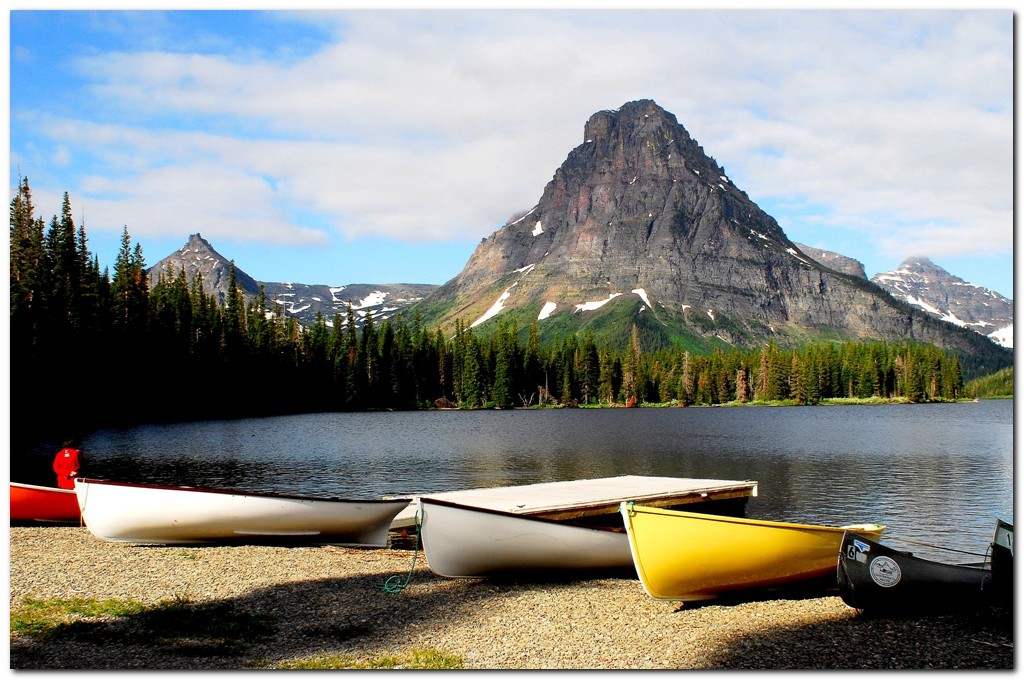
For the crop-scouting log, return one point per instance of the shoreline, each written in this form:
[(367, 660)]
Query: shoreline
[(330, 600)]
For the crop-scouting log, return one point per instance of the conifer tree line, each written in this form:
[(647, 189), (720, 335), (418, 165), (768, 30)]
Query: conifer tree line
[(91, 347)]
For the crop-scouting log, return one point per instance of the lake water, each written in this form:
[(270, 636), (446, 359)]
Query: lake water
[(934, 473)]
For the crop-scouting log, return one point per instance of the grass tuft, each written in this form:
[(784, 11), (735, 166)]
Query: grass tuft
[(173, 625), (41, 617), (422, 659)]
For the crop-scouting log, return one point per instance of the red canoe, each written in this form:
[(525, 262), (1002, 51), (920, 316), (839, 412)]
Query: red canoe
[(43, 504)]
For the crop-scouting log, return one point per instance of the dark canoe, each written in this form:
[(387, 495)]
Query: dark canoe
[(1002, 560), (876, 578)]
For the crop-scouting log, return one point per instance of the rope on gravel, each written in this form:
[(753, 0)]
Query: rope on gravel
[(394, 585)]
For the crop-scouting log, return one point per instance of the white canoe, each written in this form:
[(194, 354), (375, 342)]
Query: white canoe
[(183, 515), (462, 541)]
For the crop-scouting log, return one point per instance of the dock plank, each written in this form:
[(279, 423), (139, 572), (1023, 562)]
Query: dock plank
[(587, 497)]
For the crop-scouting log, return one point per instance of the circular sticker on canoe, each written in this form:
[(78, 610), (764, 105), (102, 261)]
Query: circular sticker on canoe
[(885, 572)]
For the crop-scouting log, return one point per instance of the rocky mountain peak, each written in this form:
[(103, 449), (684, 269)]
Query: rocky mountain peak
[(643, 117), (637, 206), (640, 226), (198, 248), (919, 267), (642, 135), (197, 257), (197, 242), (924, 284)]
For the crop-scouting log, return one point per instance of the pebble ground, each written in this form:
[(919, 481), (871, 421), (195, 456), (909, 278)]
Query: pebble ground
[(329, 600)]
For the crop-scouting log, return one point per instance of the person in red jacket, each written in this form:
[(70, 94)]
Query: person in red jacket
[(66, 465)]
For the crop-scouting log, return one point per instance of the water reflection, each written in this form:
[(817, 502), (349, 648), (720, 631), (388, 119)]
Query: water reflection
[(934, 473)]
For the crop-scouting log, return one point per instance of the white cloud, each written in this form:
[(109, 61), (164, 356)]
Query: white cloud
[(436, 125), (890, 128), (61, 156), (220, 200)]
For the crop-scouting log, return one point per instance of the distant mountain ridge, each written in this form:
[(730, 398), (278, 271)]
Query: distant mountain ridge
[(924, 284), (840, 263), (302, 301)]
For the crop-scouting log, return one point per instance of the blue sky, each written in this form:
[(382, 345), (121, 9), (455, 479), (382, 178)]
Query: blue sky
[(381, 146)]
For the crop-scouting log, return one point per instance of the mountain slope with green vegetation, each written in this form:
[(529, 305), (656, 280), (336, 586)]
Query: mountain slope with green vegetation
[(999, 385)]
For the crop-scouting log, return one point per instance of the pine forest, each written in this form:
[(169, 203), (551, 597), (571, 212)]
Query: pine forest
[(91, 347)]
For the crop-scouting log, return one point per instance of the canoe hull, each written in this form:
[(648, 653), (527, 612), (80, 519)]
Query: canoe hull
[(465, 542), (693, 557), (167, 515), (1002, 560), (31, 503), (876, 578)]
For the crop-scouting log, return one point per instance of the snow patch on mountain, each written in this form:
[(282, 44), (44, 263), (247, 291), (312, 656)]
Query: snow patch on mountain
[(591, 306), (797, 255), (546, 311), (374, 299), (523, 217), (1003, 336), (496, 308), (918, 302)]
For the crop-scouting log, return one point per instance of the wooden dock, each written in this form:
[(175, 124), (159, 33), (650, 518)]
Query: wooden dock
[(589, 497)]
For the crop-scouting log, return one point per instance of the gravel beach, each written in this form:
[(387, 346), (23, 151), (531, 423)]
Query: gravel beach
[(328, 600)]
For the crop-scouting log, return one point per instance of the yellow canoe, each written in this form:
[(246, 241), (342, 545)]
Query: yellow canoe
[(690, 556)]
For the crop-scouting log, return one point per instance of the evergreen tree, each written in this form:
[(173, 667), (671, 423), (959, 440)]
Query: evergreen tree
[(956, 379), (798, 387), (568, 384), (384, 387), (316, 358), (763, 373), (810, 370), (234, 320), (444, 366), (130, 291), (258, 328), (66, 272), (533, 368), (687, 385), (609, 381), (741, 386), (29, 274), (590, 369), (354, 364), (366, 363), (633, 374), (505, 366), (405, 382), (473, 380), (778, 375)]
